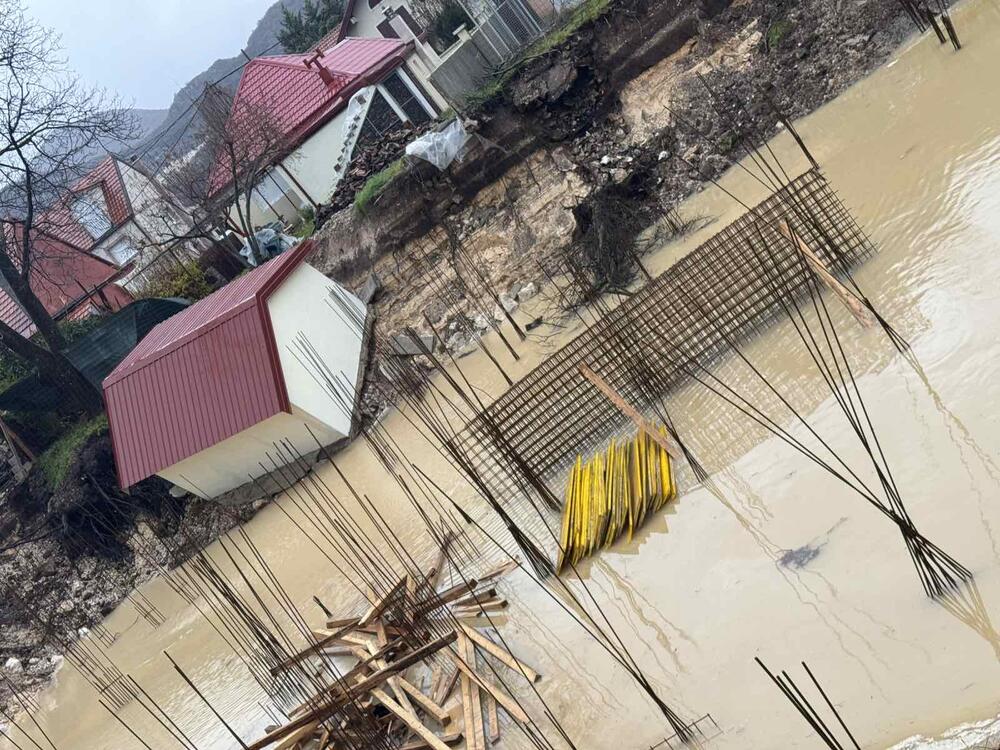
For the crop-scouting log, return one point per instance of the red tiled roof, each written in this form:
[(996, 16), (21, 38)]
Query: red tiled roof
[(201, 376), (60, 221), (63, 278), (330, 39), (295, 94)]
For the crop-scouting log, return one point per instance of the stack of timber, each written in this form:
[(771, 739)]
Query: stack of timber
[(413, 663), (613, 494)]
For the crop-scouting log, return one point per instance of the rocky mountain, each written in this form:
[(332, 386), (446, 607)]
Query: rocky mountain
[(177, 133)]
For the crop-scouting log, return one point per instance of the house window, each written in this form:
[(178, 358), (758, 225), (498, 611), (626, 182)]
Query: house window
[(406, 99), (381, 120), (89, 211), (122, 252)]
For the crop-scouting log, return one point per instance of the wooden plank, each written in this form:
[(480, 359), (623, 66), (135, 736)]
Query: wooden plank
[(337, 624), (291, 661), (499, 571), (475, 737), (397, 690), (296, 737), (468, 728), (509, 704), (494, 719), (380, 606), (338, 699), (446, 687), (437, 674), (501, 654), (419, 744), (410, 720), (440, 715), (448, 595), (477, 596), (850, 300), (630, 411)]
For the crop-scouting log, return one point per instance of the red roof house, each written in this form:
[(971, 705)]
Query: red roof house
[(300, 93), (204, 397), (68, 281), (297, 112)]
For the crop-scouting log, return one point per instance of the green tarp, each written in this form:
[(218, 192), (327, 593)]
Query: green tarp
[(95, 354)]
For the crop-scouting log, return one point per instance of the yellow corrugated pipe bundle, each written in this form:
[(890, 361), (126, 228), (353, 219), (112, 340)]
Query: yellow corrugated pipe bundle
[(612, 494)]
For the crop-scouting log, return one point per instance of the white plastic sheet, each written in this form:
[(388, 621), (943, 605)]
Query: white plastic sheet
[(441, 147)]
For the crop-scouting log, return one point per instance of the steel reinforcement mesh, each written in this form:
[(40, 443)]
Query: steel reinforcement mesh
[(720, 292)]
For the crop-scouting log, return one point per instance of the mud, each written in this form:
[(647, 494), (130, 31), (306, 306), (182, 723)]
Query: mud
[(589, 142)]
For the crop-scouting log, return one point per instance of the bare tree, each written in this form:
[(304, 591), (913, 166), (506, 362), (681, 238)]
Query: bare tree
[(245, 141), (51, 125)]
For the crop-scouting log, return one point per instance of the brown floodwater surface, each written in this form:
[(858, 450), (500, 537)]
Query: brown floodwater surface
[(776, 558)]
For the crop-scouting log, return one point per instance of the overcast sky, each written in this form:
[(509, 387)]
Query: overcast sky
[(147, 49)]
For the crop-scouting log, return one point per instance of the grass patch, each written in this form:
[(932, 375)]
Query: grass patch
[(305, 229), (54, 463), (377, 183), (583, 14), (776, 32)]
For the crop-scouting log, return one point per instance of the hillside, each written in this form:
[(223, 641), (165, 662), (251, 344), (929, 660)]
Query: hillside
[(176, 134)]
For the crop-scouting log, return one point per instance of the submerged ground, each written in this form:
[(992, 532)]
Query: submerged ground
[(787, 565)]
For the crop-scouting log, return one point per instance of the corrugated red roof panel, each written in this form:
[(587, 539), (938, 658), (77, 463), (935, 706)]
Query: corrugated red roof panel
[(61, 222), (202, 376), (295, 94)]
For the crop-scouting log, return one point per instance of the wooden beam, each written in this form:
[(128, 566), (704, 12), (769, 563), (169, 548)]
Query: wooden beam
[(501, 654), (296, 737), (380, 606), (641, 423), (340, 698), (448, 595), (508, 703), (494, 719), (446, 687), (440, 715), (410, 720), (419, 744), (291, 661), (475, 736), (850, 300)]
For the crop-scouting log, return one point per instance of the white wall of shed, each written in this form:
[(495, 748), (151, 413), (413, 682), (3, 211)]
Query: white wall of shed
[(300, 307), (230, 464)]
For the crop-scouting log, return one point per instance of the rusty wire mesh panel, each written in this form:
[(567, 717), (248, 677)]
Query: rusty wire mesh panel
[(718, 292)]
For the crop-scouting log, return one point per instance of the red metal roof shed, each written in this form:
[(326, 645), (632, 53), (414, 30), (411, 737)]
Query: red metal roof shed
[(202, 376)]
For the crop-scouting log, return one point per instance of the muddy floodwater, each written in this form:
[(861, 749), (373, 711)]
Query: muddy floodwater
[(787, 564)]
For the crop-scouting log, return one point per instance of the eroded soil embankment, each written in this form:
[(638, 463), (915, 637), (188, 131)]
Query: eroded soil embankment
[(618, 103)]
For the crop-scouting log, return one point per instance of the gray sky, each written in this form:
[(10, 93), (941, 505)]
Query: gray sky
[(147, 49)]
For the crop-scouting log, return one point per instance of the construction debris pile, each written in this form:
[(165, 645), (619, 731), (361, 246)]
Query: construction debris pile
[(613, 494), (416, 666)]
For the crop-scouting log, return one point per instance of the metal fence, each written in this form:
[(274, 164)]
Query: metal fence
[(502, 30)]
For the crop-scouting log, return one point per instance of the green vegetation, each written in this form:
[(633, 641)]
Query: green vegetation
[(587, 12), (186, 280), (306, 224), (442, 31), (54, 463), (300, 31), (377, 183), (776, 32), (13, 368)]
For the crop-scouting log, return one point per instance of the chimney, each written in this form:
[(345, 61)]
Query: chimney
[(314, 60)]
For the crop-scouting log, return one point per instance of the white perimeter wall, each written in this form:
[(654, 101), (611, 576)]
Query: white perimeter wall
[(231, 463), (300, 306)]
